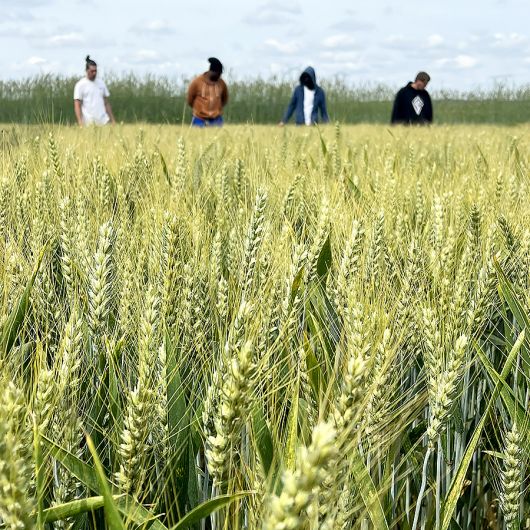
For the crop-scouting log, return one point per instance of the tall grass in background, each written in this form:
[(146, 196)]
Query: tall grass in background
[(48, 99), (264, 328)]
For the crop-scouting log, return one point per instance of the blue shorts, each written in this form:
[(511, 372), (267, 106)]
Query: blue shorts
[(208, 122)]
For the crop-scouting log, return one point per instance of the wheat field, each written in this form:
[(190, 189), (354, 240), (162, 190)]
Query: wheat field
[(264, 328), (158, 99)]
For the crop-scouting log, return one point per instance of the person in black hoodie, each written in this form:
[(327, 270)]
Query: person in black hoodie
[(413, 105)]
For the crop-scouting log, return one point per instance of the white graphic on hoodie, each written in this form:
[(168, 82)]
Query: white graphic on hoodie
[(417, 104)]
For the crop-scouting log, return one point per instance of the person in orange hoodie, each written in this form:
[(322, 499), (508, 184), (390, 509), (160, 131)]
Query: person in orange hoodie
[(207, 96)]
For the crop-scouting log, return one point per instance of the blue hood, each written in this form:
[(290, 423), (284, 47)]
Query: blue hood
[(311, 72)]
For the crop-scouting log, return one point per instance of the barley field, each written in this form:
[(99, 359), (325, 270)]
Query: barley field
[(264, 328)]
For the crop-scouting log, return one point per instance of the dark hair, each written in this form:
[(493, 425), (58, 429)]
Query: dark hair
[(89, 62), (215, 65), (423, 76)]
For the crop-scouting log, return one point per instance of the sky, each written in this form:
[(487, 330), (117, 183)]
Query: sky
[(463, 44)]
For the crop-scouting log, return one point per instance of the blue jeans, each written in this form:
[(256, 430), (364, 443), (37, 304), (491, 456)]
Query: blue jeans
[(208, 122)]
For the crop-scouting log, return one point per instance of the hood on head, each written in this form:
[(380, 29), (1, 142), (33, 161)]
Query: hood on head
[(311, 72)]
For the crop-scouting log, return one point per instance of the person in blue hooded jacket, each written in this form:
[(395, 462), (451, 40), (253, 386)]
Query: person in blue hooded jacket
[(308, 98)]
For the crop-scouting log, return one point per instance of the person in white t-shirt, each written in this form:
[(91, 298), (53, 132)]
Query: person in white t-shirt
[(91, 98)]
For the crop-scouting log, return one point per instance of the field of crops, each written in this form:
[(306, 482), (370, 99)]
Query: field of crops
[(264, 328), (152, 99)]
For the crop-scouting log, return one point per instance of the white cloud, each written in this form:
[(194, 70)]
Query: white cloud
[(470, 42), (27, 3), (35, 61), (399, 41), (270, 36), (509, 40), (10, 30), (40, 64), (342, 66), (340, 56), (435, 40), (339, 41), (17, 16), (392, 39), (352, 23), (155, 27), (64, 36), (65, 39), (460, 62), (276, 68), (273, 13), (145, 56), (287, 48), (167, 66), (465, 61)]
